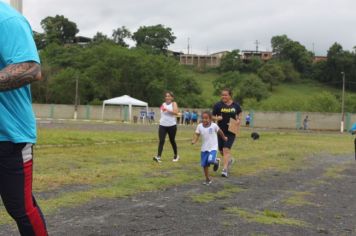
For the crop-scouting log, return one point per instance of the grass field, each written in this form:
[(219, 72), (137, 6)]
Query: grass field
[(73, 167)]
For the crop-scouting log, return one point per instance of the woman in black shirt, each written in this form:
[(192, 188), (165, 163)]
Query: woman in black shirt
[(222, 112)]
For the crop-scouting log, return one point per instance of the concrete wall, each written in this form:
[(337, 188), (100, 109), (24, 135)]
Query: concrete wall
[(282, 120)]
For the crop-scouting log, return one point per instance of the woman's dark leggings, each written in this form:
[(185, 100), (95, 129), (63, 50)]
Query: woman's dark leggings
[(162, 132)]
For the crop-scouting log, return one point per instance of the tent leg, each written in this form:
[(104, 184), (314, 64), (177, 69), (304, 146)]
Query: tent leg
[(147, 118), (130, 113), (102, 112)]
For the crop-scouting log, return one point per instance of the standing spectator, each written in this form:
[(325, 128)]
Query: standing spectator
[(182, 118), (168, 125), (248, 120), (222, 112), (305, 123), (19, 66), (151, 116), (143, 115), (187, 117), (194, 118)]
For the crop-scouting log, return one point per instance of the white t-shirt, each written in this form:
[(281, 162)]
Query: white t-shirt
[(167, 118), (209, 137)]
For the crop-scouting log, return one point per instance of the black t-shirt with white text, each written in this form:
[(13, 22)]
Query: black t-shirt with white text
[(227, 112)]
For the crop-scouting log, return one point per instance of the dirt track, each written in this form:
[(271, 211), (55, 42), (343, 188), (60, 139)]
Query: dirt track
[(330, 206)]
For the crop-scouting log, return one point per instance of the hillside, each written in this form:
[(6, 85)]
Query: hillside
[(205, 81), (285, 97)]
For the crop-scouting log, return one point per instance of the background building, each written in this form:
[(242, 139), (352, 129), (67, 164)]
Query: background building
[(202, 61), (249, 55)]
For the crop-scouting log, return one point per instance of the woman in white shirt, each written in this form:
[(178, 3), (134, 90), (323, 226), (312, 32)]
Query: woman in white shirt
[(168, 125)]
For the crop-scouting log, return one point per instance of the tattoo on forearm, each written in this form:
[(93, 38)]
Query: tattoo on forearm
[(18, 75)]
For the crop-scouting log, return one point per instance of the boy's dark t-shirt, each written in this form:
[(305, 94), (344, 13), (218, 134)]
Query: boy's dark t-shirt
[(227, 112)]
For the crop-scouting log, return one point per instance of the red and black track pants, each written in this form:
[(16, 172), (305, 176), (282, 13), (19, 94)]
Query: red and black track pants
[(16, 188)]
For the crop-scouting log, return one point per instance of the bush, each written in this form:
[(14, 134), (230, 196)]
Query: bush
[(324, 102), (253, 87), (250, 104)]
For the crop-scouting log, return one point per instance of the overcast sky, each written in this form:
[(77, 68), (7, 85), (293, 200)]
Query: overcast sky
[(213, 25)]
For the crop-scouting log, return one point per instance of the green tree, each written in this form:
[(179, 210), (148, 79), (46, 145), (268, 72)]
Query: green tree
[(120, 34), (59, 29), (252, 65), (287, 49), (106, 70), (253, 87), (100, 37), (319, 71), (40, 40), (272, 74), (156, 38), (231, 62), (339, 61), (290, 73), (62, 86), (229, 80)]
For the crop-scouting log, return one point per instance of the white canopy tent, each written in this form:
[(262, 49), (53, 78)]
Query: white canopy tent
[(124, 101)]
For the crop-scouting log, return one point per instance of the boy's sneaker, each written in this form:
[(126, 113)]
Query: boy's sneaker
[(216, 164), (207, 182), (157, 159), (224, 173), (176, 158)]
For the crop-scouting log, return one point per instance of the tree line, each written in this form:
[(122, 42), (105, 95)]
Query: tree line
[(106, 67), (253, 80)]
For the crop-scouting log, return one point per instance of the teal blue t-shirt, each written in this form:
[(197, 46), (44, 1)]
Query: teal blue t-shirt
[(17, 120)]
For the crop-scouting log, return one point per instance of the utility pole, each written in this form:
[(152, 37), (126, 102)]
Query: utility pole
[(257, 44), (188, 46), (76, 98), (343, 103), (17, 4)]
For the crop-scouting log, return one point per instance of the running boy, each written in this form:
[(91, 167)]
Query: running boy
[(208, 131)]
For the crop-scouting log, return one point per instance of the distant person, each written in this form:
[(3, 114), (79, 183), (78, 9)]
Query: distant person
[(353, 132), (19, 66), (305, 123), (151, 116), (248, 120), (187, 117), (181, 118), (194, 118), (208, 131), (353, 129), (143, 115), (222, 112), (168, 125)]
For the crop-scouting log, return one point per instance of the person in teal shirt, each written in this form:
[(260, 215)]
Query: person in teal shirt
[(19, 67)]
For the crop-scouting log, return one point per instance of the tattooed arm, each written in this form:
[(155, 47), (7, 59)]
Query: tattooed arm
[(17, 75)]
